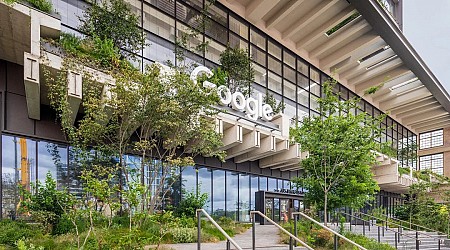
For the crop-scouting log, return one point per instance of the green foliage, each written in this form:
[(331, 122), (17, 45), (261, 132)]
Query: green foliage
[(237, 64), (13, 231), (114, 21), (372, 90), (183, 235), (47, 204), (366, 242), (43, 5), (190, 203), (343, 23), (402, 171), (340, 144), (277, 107)]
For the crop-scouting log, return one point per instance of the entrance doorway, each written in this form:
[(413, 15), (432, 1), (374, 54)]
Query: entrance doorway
[(278, 206)]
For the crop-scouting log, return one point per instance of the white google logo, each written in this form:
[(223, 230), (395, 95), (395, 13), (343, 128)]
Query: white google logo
[(254, 108)]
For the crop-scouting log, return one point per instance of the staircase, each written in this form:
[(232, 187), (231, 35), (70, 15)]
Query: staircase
[(404, 239)]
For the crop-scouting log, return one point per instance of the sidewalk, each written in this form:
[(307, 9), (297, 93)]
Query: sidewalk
[(267, 237)]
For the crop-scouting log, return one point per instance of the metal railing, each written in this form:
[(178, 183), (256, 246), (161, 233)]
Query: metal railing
[(398, 234), (336, 234), (199, 225), (291, 236)]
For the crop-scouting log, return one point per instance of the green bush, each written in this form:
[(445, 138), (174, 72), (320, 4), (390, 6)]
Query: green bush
[(190, 203), (12, 231), (183, 235), (365, 242), (43, 5)]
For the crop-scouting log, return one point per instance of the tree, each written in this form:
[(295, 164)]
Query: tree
[(340, 145), (114, 20)]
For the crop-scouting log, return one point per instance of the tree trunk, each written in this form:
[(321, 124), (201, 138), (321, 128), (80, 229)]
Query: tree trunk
[(325, 216)]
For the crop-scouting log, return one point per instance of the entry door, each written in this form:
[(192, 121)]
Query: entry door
[(284, 210), (269, 207)]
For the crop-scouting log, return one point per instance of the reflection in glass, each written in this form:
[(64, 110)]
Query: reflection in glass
[(244, 197), (219, 193), (253, 189), (189, 180), (232, 195), (269, 207), (272, 184), (53, 159), (18, 167), (204, 183), (263, 183), (276, 209)]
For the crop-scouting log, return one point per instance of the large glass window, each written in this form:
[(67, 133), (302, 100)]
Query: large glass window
[(189, 179), (204, 183), (18, 168), (254, 187), (218, 192), (431, 139), (53, 159), (434, 162), (244, 197), (232, 195)]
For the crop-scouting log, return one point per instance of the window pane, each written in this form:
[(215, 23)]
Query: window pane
[(289, 59), (232, 195), (257, 39), (219, 192), (289, 90), (238, 27), (189, 179), (159, 23), (53, 159), (274, 49), (275, 83), (253, 189), (244, 197), (204, 182), (303, 97)]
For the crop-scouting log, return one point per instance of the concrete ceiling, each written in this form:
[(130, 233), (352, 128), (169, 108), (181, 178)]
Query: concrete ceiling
[(410, 92)]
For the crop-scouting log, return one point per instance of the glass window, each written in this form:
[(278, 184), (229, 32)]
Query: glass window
[(193, 42), (289, 90), (315, 89), (244, 197), (232, 195), (53, 159), (216, 31), (302, 81), (260, 75), (218, 14), (258, 55), (18, 168), (254, 187), (290, 110), (257, 39), (431, 139), (218, 193), (159, 23), (204, 183), (302, 67), (274, 49), (275, 83), (274, 65), (314, 75), (314, 103), (238, 27), (288, 73), (434, 162), (272, 184), (189, 179), (263, 183), (236, 42), (289, 59), (159, 50), (214, 50), (303, 97), (164, 5)]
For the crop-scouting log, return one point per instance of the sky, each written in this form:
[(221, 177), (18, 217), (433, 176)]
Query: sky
[(426, 24)]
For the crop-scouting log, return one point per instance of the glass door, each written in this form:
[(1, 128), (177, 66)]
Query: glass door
[(276, 209), (269, 207), (284, 210)]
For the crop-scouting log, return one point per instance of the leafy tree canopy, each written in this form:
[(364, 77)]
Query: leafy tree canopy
[(340, 144)]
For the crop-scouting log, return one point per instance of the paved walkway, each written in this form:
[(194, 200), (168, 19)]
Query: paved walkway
[(267, 237)]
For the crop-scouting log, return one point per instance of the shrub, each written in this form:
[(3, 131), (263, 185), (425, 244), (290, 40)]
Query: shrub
[(43, 5), (190, 203), (183, 235), (12, 231), (365, 242)]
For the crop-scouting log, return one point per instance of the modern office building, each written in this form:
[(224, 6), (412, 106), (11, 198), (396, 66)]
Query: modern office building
[(295, 46)]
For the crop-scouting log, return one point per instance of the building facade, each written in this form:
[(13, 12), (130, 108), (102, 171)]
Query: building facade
[(295, 46)]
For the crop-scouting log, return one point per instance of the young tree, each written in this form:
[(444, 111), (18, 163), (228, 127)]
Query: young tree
[(340, 145)]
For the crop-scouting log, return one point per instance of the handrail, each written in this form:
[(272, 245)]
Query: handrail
[(377, 225), (330, 230), (229, 239), (252, 213), (400, 225)]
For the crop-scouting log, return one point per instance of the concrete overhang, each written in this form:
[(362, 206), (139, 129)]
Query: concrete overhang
[(366, 52)]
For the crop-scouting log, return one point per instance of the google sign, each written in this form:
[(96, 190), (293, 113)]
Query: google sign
[(254, 108)]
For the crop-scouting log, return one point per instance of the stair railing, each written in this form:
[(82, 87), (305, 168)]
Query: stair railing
[(398, 234), (417, 232), (336, 234), (230, 241), (291, 236)]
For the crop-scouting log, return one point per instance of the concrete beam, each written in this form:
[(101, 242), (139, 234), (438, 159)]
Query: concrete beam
[(282, 13), (74, 92), (281, 158), (406, 98), (391, 74), (250, 142), (257, 9), (32, 85)]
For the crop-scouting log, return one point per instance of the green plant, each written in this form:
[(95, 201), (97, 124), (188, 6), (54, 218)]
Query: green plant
[(277, 107), (183, 235), (44, 5), (21, 245), (402, 171), (13, 231), (190, 203), (337, 172), (238, 65), (113, 20)]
